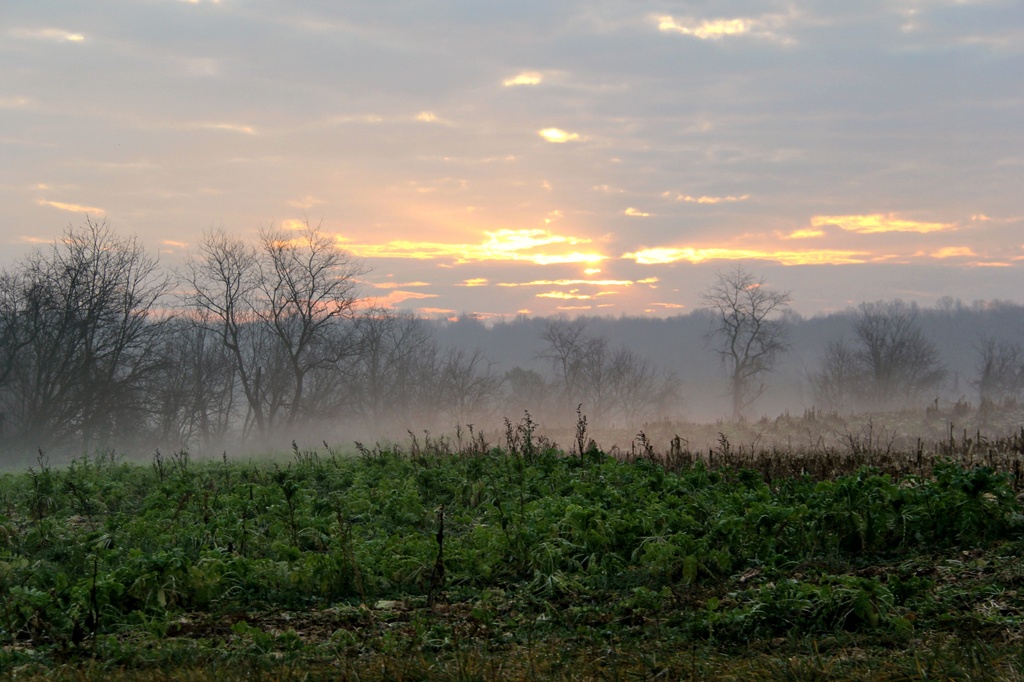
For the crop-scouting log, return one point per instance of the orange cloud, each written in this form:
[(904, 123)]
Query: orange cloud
[(524, 78), (397, 285), (557, 135), (664, 255), (569, 282), (704, 199), (398, 296), (636, 213), (804, 233), (877, 223), (954, 252), (74, 208), (571, 295), (475, 282), (535, 246)]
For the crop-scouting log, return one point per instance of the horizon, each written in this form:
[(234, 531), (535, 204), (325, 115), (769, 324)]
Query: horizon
[(581, 158)]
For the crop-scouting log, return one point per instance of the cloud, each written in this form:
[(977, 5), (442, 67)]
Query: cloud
[(475, 282), (636, 213), (535, 246), (175, 244), (877, 223), (804, 233), (557, 135), (954, 252), (707, 29), (524, 78), (571, 295), (665, 255), (426, 116), (13, 102), (309, 201), (399, 296), (294, 224), (229, 127), (569, 282), (765, 27), (74, 208), (706, 199), (397, 285), (57, 34)]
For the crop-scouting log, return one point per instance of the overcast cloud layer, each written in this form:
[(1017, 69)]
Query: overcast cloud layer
[(535, 156)]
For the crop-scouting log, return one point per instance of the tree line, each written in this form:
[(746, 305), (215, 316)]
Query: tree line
[(249, 339)]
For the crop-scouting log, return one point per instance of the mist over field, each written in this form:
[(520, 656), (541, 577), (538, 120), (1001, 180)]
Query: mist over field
[(253, 346)]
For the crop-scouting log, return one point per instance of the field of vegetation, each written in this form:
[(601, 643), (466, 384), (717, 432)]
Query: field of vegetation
[(454, 558)]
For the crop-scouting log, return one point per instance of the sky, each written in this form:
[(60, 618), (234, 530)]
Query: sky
[(503, 157)]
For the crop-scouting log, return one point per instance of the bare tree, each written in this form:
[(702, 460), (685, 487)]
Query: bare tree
[(888, 361), (639, 389), (275, 307), (81, 318), (747, 333), (527, 390), (12, 333), (468, 387), (567, 345), (306, 283), (194, 394), (1000, 370), (837, 381), (394, 352), (897, 363), (611, 385)]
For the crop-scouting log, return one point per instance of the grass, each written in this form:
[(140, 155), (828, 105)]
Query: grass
[(470, 562)]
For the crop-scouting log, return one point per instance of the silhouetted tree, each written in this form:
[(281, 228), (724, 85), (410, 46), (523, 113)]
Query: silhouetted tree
[(194, 393), (81, 335), (467, 386), (747, 332), (275, 307), (394, 351), (527, 391), (837, 382), (612, 386), (1000, 370), (887, 363), (897, 362)]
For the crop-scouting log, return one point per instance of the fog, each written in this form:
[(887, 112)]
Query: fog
[(256, 347)]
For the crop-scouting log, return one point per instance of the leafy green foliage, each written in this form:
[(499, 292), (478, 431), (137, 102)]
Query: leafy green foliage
[(102, 553)]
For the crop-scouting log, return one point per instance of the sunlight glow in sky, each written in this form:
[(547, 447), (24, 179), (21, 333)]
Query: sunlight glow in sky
[(601, 157)]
